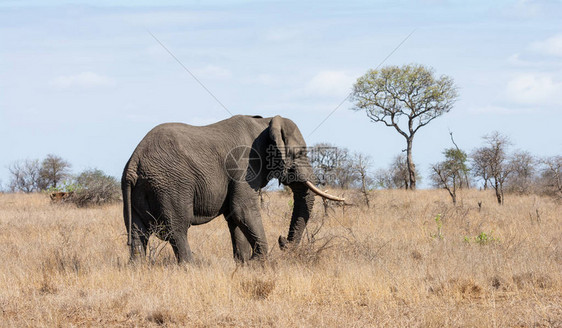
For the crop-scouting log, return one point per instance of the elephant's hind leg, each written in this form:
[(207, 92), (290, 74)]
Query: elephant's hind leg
[(139, 236), (241, 248)]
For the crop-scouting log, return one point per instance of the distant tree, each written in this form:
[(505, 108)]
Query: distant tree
[(24, 176), (494, 158), (345, 174), (480, 165), (464, 181), (383, 179), (332, 165), (551, 176), (323, 160), (450, 174), (399, 172), (523, 173), (53, 171), (361, 165), (396, 176), (411, 93)]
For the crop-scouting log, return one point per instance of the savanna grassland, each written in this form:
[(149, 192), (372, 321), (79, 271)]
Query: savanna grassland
[(412, 260)]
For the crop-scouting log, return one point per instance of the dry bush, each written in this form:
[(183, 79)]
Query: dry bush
[(95, 188), (384, 266)]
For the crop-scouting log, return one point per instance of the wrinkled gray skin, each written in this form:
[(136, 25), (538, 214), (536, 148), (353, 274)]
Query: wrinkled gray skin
[(181, 175)]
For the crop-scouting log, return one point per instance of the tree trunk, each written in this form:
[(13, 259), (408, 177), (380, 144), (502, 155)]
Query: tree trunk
[(364, 189), (501, 192), (498, 194), (454, 191), (410, 163)]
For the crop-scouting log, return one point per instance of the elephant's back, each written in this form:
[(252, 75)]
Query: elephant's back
[(176, 156), (176, 146), (216, 139), (199, 151), (186, 141)]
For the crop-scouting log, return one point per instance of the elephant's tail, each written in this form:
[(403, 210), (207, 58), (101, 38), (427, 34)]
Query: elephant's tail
[(128, 180), (128, 211)]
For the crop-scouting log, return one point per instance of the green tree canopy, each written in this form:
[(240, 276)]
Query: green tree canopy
[(406, 98)]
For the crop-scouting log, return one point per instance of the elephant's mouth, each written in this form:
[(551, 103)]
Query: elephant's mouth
[(292, 175)]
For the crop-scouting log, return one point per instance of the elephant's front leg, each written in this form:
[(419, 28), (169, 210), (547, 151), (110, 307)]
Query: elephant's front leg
[(241, 248), (246, 215)]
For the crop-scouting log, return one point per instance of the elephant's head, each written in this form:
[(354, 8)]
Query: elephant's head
[(288, 161)]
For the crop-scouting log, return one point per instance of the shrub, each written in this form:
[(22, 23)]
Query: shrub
[(95, 188)]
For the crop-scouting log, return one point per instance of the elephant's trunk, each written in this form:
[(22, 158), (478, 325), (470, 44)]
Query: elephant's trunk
[(303, 196), (303, 200)]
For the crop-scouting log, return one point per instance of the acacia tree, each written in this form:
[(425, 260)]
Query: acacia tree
[(406, 98), (54, 169)]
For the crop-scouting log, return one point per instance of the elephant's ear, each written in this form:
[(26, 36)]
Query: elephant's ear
[(276, 135)]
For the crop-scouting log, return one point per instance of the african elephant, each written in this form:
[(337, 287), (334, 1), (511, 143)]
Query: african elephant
[(181, 175)]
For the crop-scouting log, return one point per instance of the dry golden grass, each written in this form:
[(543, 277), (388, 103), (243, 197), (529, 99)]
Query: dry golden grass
[(385, 266)]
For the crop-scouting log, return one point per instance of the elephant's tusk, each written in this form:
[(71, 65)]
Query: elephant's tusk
[(320, 193)]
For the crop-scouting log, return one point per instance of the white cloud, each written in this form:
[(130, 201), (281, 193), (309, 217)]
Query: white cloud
[(82, 80), (551, 46), (330, 83), (516, 60), (213, 72), (534, 89)]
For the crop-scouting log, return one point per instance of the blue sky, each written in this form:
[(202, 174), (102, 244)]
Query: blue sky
[(87, 82)]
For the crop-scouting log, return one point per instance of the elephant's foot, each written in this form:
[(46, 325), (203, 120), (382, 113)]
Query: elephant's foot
[(283, 243), (258, 258), (137, 253), (184, 257)]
